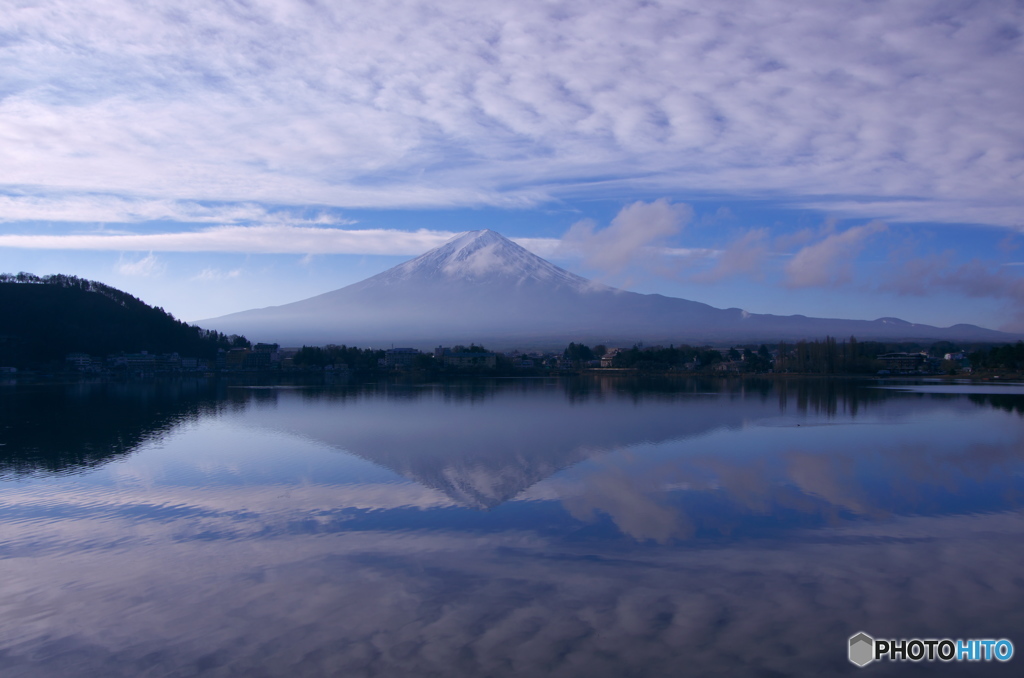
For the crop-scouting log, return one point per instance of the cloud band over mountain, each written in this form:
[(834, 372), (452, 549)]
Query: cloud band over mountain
[(901, 109)]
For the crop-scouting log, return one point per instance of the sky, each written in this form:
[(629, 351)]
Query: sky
[(855, 159)]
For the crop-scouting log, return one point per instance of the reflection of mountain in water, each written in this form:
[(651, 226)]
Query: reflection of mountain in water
[(480, 484), (65, 428), (482, 447), (483, 443)]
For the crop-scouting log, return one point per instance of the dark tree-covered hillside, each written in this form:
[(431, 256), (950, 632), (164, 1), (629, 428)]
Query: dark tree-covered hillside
[(44, 319)]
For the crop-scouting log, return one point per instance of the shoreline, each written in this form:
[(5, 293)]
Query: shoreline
[(341, 377)]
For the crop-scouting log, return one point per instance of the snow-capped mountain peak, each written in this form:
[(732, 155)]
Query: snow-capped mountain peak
[(479, 257)]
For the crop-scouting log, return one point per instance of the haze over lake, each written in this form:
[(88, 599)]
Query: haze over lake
[(571, 527)]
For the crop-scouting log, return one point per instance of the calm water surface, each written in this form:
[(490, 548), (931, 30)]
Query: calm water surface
[(506, 528)]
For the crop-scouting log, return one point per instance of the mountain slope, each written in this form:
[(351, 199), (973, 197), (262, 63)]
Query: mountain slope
[(43, 319), (482, 287)]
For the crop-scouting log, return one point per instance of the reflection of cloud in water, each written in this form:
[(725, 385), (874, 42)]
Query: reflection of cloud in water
[(696, 493), (631, 504), (399, 604), (265, 572), (832, 479)]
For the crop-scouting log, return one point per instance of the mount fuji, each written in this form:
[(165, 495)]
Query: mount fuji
[(482, 287)]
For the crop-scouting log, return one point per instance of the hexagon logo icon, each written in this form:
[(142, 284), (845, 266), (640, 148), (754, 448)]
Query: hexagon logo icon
[(862, 649)]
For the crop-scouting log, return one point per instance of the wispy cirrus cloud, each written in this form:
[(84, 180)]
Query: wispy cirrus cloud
[(86, 208), (271, 239), (626, 244), (266, 239), (407, 103)]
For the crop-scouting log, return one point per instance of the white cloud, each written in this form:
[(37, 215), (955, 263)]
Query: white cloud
[(912, 107), (974, 279), (719, 216), (744, 256), (829, 261), (217, 274), (145, 267), (637, 231)]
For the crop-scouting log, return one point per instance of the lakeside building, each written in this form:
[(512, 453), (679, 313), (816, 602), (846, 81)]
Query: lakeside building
[(143, 361), (471, 359), (234, 359), (79, 361), (608, 358), (903, 362), (463, 359), (260, 357), (400, 358)]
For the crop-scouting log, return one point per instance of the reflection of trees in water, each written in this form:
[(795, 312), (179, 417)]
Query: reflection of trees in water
[(829, 397), (468, 391), (68, 427), (1007, 403), (821, 395), (58, 428)]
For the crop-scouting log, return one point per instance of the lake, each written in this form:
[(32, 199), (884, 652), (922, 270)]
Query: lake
[(533, 527)]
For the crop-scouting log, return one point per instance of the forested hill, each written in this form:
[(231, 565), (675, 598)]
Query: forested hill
[(42, 319)]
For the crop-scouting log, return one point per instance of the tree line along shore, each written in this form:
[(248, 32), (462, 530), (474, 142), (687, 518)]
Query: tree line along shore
[(63, 323), (818, 357)]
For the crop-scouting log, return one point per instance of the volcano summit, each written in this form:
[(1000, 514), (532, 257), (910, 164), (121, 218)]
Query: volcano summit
[(484, 288)]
